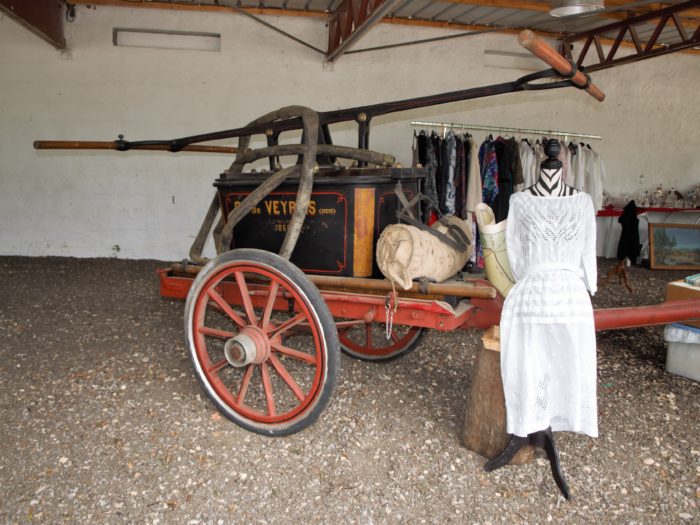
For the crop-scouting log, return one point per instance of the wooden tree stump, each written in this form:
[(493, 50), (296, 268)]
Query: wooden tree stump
[(484, 429)]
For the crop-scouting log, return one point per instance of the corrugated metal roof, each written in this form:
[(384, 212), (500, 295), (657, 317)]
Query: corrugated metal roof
[(468, 15)]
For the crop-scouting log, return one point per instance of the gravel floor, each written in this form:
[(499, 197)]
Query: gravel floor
[(103, 421)]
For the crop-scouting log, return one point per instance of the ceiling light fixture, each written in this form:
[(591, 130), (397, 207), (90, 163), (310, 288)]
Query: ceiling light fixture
[(165, 39), (575, 7)]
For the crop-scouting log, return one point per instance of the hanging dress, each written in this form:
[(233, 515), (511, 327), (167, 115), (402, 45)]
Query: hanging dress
[(548, 348)]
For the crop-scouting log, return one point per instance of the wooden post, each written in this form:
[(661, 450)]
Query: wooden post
[(484, 429)]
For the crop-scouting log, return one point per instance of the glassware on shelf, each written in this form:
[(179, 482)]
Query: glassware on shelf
[(658, 197), (679, 199), (640, 190), (694, 196), (672, 200), (645, 202), (607, 200)]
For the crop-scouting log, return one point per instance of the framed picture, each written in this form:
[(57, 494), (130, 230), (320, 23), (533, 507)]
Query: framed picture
[(674, 246)]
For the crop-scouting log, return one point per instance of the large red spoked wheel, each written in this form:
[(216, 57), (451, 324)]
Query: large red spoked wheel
[(368, 341), (263, 343)]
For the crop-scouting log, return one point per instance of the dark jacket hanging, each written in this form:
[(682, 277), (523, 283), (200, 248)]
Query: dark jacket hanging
[(629, 245)]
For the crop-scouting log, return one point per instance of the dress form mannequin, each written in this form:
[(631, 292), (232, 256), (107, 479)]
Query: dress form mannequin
[(549, 184)]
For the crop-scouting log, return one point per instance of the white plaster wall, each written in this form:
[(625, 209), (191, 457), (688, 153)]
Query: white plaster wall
[(150, 204)]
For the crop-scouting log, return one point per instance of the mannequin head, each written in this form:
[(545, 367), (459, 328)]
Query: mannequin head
[(551, 149)]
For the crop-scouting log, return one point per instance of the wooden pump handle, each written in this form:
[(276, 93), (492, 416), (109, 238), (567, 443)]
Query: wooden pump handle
[(92, 144), (542, 50)]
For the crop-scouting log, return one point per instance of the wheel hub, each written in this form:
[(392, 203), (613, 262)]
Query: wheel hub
[(250, 345)]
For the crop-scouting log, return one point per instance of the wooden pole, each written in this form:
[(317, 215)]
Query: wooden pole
[(381, 285), (542, 50), (115, 145)]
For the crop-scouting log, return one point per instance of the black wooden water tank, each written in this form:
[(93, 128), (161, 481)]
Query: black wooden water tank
[(349, 208)]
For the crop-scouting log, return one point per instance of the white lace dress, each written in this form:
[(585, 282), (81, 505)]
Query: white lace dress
[(548, 348)]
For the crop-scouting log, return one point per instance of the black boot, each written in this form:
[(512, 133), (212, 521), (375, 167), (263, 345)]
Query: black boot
[(505, 457), (543, 439)]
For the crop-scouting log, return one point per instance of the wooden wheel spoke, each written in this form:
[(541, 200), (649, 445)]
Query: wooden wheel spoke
[(284, 374), (272, 295), (297, 319), (244, 385), (395, 336), (368, 335), (213, 369), (267, 385), (214, 295), (245, 297), (294, 353), (215, 332)]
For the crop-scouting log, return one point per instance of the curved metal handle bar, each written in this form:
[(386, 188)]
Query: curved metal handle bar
[(223, 232), (346, 152), (364, 113)]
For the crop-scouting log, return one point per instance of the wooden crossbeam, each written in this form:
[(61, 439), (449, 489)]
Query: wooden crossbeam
[(351, 20)]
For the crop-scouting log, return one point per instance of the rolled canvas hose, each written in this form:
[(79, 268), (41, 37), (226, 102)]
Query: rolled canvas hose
[(406, 252)]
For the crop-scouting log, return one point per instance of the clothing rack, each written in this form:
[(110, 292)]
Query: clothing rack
[(545, 132)]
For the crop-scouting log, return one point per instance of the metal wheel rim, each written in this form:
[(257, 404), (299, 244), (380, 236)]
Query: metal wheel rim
[(369, 351), (209, 370)]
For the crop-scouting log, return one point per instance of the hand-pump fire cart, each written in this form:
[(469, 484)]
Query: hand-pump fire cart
[(294, 281)]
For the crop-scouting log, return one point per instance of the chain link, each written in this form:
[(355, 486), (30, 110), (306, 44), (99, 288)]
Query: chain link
[(390, 310), (389, 316)]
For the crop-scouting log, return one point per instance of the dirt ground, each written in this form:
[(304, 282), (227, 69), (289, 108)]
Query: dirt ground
[(103, 421)]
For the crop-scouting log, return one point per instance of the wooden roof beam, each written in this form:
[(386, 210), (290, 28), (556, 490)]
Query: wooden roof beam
[(351, 20), (44, 18), (171, 6)]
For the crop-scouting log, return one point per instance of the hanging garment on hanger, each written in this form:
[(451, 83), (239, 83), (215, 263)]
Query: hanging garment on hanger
[(474, 197), (426, 155), (509, 174), (519, 177), (441, 176), (565, 158), (578, 165), (529, 164), (415, 161), (461, 178), (450, 186), (474, 190), (489, 171), (539, 156), (422, 141), (595, 178), (437, 151)]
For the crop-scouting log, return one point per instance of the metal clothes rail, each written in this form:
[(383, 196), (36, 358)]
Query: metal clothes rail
[(527, 131)]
